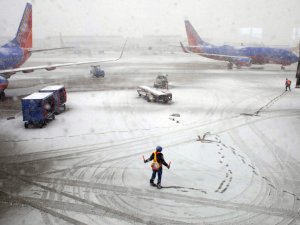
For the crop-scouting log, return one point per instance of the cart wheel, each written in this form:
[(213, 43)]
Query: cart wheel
[(42, 123), (26, 125), (150, 98)]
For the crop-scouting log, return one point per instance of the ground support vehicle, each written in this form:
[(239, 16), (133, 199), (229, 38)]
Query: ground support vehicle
[(154, 95), (97, 71), (161, 81), (60, 96), (38, 109)]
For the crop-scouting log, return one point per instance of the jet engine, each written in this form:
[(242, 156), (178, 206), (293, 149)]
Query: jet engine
[(242, 62)]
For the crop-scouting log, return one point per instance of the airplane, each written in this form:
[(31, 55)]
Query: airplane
[(16, 52), (245, 56)]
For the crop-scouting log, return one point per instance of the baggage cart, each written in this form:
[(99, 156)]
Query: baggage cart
[(38, 109), (154, 95), (60, 96)]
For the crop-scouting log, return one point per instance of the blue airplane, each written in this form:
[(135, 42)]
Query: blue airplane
[(16, 52), (239, 57)]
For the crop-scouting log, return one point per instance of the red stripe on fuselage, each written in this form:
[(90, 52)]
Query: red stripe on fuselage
[(3, 86)]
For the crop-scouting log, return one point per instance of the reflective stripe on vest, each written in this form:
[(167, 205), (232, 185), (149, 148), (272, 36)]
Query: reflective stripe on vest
[(155, 158)]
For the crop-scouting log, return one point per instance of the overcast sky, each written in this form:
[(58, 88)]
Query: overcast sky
[(213, 19)]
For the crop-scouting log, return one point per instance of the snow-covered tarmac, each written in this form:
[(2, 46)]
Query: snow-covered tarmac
[(86, 166)]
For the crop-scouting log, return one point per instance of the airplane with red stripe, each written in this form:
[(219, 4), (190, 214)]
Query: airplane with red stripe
[(239, 57), (16, 52)]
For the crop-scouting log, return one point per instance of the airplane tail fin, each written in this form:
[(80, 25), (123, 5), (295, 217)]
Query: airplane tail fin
[(62, 43), (24, 34), (193, 37)]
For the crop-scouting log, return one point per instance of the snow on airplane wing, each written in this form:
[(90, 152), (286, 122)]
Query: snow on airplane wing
[(32, 50), (54, 66)]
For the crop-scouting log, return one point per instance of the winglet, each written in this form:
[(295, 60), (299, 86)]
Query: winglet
[(122, 50)]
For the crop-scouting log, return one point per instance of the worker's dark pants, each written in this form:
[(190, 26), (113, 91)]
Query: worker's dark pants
[(159, 173), (287, 87)]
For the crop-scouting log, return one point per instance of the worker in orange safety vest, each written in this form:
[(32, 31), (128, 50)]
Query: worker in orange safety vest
[(288, 84), (158, 161)]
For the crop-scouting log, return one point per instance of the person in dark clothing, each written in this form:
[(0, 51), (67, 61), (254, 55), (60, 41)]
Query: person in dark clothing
[(158, 161), (287, 84)]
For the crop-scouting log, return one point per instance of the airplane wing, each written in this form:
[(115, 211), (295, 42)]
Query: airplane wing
[(7, 73), (47, 49)]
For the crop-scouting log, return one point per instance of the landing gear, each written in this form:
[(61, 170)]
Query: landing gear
[(282, 67), (230, 65), (2, 96), (150, 98), (298, 83)]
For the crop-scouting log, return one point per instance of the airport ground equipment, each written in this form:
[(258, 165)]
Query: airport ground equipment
[(38, 109), (97, 71), (298, 72), (154, 95), (60, 96), (161, 81)]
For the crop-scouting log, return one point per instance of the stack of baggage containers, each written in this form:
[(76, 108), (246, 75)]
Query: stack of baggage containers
[(60, 96), (38, 109)]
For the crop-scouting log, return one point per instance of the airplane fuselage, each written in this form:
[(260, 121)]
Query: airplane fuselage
[(12, 57), (244, 56), (258, 55)]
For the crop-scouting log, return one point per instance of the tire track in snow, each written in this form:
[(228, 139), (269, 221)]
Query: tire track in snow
[(201, 200)]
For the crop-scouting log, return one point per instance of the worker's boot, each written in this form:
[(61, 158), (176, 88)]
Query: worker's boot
[(152, 183), (159, 186)]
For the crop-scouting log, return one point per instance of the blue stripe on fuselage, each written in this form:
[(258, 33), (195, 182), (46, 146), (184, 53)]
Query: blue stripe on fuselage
[(10, 57)]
